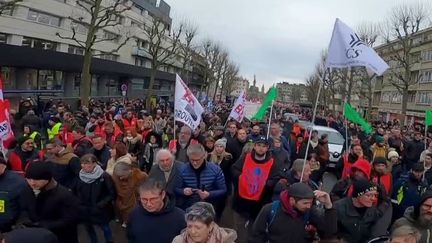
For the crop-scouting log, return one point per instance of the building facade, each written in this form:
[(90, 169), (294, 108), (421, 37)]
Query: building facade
[(292, 93), (387, 100), (240, 84), (35, 60)]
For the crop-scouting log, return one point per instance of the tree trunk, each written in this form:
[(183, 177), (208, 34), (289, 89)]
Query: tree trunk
[(404, 102), (86, 79), (215, 90), (149, 93), (333, 101)]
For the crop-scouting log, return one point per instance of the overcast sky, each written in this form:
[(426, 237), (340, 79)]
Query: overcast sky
[(278, 40)]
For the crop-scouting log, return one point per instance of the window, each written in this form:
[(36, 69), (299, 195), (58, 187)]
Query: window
[(424, 97), (425, 76), (79, 27), (427, 56), (107, 56), (6, 10), (43, 18), (417, 41), (137, 83), (39, 44), (396, 98), (142, 44), (62, 1), (385, 97), (111, 36), (3, 38), (75, 50), (9, 75), (50, 80)]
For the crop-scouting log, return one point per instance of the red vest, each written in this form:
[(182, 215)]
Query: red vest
[(129, 124), (385, 181), (253, 178)]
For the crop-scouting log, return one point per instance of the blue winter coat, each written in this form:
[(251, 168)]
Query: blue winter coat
[(209, 178)]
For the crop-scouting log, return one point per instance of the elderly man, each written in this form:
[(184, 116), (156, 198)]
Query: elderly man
[(166, 170), (276, 132), (162, 220), (179, 147), (200, 180)]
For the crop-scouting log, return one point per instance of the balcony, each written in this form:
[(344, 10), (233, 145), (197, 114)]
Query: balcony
[(140, 52)]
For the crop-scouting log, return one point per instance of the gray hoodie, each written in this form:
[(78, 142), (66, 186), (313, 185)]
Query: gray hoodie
[(409, 219)]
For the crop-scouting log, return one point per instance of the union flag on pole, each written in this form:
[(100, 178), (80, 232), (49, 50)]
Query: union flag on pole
[(237, 113), (6, 133)]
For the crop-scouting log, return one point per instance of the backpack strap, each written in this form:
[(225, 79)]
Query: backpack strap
[(271, 216)]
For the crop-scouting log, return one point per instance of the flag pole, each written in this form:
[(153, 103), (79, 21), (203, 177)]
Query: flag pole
[(346, 126), (313, 122), (268, 127)]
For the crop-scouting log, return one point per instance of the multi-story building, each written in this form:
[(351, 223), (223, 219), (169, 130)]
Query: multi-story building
[(35, 60), (292, 93), (387, 100), (240, 84)]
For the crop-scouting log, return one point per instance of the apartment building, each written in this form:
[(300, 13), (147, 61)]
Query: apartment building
[(387, 100), (292, 93), (34, 60), (240, 84)]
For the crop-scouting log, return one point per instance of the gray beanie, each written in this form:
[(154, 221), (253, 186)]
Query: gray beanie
[(222, 142), (301, 191)]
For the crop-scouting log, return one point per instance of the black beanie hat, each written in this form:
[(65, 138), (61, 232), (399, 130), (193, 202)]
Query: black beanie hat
[(362, 186), (301, 191), (380, 160), (21, 140), (39, 171)]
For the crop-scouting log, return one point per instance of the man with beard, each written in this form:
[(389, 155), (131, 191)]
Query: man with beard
[(395, 141), (294, 218), (408, 189), (413, 151), (235, 146), (346, 162), (254, 176), (218, 132), (180, 146), (419, 216), (379, 149), (380, 174)]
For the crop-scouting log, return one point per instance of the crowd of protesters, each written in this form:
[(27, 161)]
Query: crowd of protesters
[(117, 161)]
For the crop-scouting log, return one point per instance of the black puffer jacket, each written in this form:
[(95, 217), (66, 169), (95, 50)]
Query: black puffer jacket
[(54, 208), (96, 199)]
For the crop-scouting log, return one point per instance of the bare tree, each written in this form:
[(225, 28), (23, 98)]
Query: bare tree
[(230, 75), (221, 62), (7, 5), (369, 33), (211, 51), (163, 48), (400, 31), (95, 19), (296, 93), (187, 49)]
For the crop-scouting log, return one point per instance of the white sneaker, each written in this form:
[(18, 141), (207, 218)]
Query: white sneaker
[(124, 225)]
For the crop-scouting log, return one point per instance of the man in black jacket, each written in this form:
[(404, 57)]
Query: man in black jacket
[(254, 177), (235, 145), (101, 150), (11, 186), (294, 218), (156, 219), (413, 150), (45, 203)]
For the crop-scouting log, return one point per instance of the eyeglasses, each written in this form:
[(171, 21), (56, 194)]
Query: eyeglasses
[(426, 206)]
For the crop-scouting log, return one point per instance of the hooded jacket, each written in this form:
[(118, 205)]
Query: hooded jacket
[(289, 225), (160, 227), (410, 219), (343, 187), (127, 158)]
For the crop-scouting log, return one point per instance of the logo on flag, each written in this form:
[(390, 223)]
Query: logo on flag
[(187, 109), (348, 50), (237, 113)]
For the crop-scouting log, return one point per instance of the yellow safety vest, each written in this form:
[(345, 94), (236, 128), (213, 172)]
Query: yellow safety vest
[(52, 132)]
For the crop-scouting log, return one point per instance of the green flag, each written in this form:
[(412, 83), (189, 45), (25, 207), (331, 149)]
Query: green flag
[(428, 119), (352, 115), (271, 95)]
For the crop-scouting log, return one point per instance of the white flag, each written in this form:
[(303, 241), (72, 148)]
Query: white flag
[(348, 50), (187, 109), (237, 112)]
